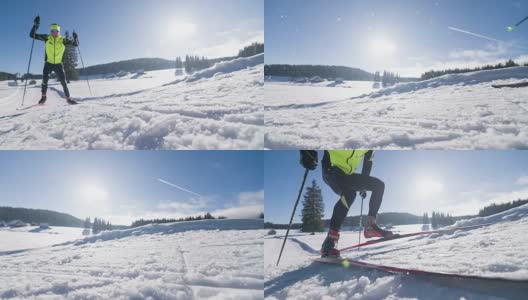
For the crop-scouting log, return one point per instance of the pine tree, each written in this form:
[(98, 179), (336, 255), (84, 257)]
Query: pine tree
[(425, 218), (434, 221), (70, 61), (313, 209)]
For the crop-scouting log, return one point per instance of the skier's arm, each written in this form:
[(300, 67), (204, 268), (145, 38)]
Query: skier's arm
[(367, 163), (34, 35), (72, 42)]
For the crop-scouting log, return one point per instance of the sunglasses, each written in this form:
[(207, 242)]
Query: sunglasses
[(54, 31)]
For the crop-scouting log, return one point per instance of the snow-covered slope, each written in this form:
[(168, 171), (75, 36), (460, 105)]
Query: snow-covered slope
[(220, 259), (15, 239), (217, 108), (498, 250), (450, 112)]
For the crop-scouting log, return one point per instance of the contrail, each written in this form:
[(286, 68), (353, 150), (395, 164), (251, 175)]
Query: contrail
[(474, 34), (179, 187)]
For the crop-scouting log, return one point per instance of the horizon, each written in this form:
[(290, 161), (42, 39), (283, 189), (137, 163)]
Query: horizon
[(168, 28), (122, 187), (405, 37)]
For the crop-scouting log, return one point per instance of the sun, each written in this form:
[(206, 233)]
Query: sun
[(93, 194), (179, 30), (382, 47), (428, 187)]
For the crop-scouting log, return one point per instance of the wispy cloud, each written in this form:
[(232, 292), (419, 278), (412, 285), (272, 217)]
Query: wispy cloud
[(523, 180)]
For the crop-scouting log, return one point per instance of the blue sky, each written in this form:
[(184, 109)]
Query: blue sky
[(407, 36), (456, 182), (118, 30), (123, 185)]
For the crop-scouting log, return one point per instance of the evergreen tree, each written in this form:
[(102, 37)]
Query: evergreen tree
[(425, 219), (70, 61), (313, 209), (87, 223), (434, 221)]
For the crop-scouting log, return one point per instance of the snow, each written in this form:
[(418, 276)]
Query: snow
[(28, 237), (450, 112), (217, 108), (497, 250), (213, 259)]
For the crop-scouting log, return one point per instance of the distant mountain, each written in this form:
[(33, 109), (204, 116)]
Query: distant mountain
[(29, 215), (6, 76), (345, 73)]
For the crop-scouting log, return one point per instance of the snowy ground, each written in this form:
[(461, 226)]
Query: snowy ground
[(220, 259), (217, 108), (492, 251), (450, 112), (15, 239)]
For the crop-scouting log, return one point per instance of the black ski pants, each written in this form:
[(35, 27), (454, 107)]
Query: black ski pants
[(347, 186), (59, 70)]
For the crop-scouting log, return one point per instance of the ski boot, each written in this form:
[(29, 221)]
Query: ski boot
[(373, 230), (71, 101), (43, 99), (328, 249)]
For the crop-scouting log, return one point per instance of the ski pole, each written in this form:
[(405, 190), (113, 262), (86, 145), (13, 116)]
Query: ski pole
[(360, 221), (84, 70), (27, 73), (293, 213)]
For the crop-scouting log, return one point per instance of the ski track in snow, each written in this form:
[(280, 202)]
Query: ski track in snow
[(218, 108), (497, 250), (451, 112), (169, 261)]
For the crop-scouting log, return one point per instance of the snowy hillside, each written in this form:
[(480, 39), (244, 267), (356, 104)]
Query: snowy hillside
[(217, 108), (220, 259), (498, 250), (450, 112)]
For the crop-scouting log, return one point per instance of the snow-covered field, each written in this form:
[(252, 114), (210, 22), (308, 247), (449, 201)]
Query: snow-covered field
[(29, 237), (498, 250), (217, 108), (280, 93), (220, 259), (450, 112)]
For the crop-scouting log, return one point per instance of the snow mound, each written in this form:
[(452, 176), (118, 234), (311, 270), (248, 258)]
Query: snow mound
[(513, 214), (228, 67), (464, 79), (171, 228)]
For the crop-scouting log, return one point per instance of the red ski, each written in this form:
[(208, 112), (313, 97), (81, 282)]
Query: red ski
[(400, 236)]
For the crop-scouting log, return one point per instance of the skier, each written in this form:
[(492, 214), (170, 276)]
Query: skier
[(55, 47), (338, 168)]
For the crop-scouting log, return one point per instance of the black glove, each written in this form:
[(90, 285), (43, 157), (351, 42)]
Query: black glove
[(363, 194), (309, 159), (36, 22), (75, 36)]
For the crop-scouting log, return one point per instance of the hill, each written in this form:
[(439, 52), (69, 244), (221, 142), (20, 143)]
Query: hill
[(29, 215)]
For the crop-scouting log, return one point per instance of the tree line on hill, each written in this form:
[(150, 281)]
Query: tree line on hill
[(98, 225), (433, 74), (322, 71), (498, 208), (38, 216), (142, 222)]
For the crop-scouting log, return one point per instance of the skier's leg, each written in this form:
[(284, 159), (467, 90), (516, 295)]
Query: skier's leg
[(377, 187), (44, 87), (347, 196), (59, 70), (45, 78), (359, 182)]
